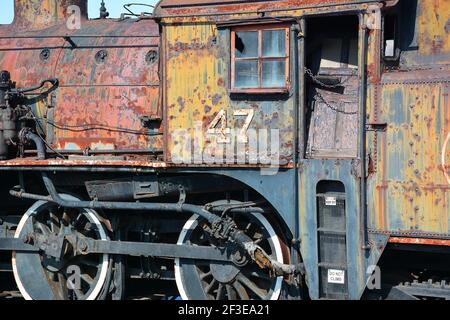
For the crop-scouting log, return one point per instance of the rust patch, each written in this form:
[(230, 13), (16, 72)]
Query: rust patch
[(420, 241)]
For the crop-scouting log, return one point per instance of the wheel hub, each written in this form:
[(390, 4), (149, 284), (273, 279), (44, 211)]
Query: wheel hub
[(224, 273)]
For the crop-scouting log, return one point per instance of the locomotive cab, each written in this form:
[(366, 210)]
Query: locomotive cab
[(226, 150)]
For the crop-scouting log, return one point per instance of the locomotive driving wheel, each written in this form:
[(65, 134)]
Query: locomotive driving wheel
[(239, 279), (56, 273)]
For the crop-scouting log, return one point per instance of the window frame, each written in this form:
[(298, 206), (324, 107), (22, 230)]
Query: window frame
[(260, 29)]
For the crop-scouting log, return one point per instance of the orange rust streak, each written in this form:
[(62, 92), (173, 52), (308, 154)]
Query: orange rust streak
[(420, 241)]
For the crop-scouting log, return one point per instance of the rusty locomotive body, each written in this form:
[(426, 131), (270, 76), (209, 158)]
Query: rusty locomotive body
[(226, 150)]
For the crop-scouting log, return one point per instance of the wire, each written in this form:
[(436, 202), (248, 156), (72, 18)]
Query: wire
[(126, 7), (95, 126), (49, 146)]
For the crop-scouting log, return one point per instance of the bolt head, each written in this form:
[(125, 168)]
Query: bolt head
[(5, 76), (83, 246)]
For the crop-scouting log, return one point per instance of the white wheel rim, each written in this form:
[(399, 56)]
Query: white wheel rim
[(103, 237), (191, 224)]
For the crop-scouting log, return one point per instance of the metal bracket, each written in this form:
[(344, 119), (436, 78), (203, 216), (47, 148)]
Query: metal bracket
[(73, 45), (52, 245), (182, 198)]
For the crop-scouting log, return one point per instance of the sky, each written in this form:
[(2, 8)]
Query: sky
[(115, 8)]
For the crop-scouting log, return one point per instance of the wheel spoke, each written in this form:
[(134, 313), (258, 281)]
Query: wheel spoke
[(84, 261), (210, 286), (206, 237), (65, 218), (63, 285), (243, 295), (56, 284), (202, 263), (79, 294), (54, 222), (77, 220), (258, 241), (89, 263), (70, 285), (258, 237), (87, 278), (231, 294), (42, 227), (251, 230), (249, 284), (260, 275), (220, 291), (205, 275)]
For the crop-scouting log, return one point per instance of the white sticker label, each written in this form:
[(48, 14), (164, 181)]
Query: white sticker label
[(330, 201), (336, 276)]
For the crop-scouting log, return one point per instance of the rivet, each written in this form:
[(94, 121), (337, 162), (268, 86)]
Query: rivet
[(101, 56), (151, 56), (45, 54)]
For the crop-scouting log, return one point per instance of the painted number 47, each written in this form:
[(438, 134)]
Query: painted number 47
[(218, 126)]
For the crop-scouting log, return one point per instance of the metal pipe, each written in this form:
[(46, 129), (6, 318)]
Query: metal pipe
[(299, 138), (300, 113), (362, 130), (107, 205), (139, 206), (101, 152), (29, 196), (40, 145), (53, 82), (135, 206)]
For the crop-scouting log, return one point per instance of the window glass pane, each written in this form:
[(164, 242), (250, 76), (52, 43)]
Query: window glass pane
[(246, 73), (273, 74), (7, 12), (274, 43), (246, 45)]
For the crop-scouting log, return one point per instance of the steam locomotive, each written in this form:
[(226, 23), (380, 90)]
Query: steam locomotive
[(226, 150)]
